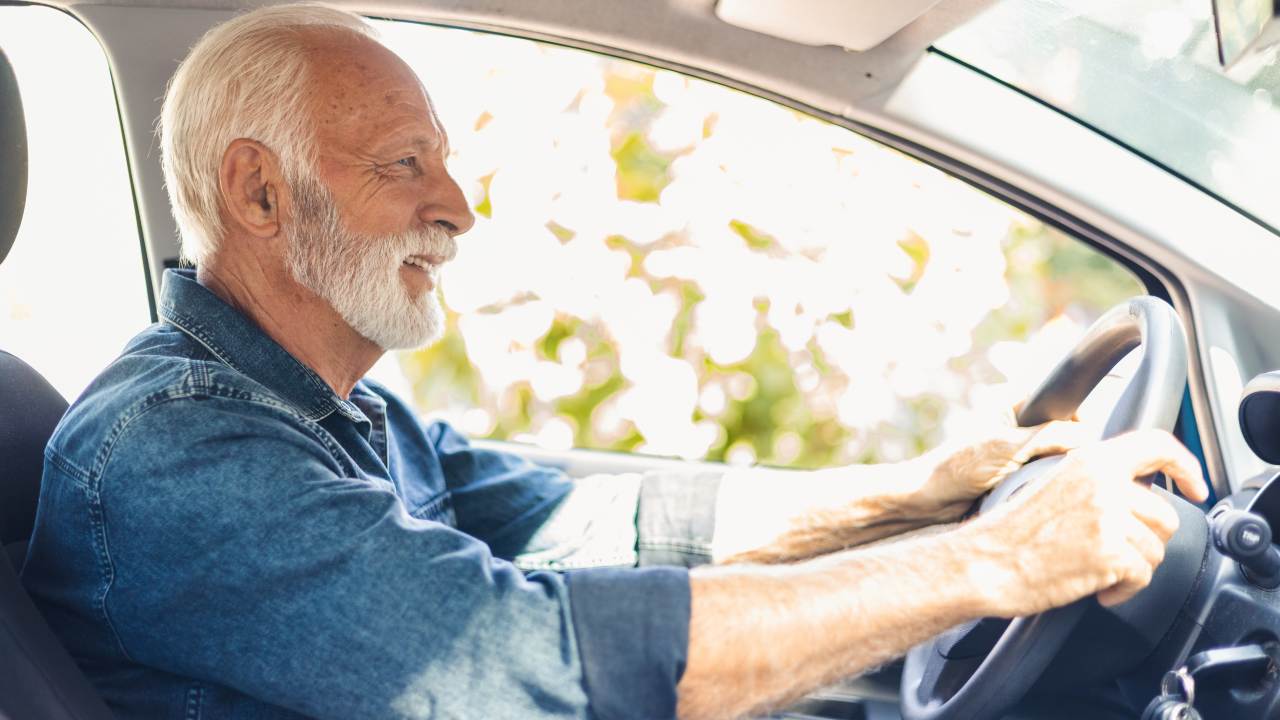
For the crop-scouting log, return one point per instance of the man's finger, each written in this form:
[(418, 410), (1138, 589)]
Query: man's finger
[(1152, 510), (1053, 438), (1155, 451), (1118, 593), (1148, 543), (1135, 576)]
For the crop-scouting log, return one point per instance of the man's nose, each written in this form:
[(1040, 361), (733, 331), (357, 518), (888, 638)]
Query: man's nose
[(448, 206)]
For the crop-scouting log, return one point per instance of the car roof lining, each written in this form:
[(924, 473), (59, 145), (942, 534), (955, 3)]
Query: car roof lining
[(682, 35), (682, 32), (858, 25)]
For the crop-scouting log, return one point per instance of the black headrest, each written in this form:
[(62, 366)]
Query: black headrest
[(1260, 416), (13, 157), (29, 410)]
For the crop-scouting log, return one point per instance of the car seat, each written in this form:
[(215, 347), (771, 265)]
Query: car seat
[(38, 679)]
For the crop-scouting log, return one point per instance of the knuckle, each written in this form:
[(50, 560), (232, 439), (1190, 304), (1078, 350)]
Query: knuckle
[(1158, 552), (1087, 472), (1061, 428), (1144, 576), (1096, 526), (1111, 552), (1075, 460)]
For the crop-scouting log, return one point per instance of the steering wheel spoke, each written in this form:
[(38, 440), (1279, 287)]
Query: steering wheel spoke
[(973, 639)]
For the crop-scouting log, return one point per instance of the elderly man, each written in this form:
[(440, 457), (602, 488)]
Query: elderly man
[(234, 524)]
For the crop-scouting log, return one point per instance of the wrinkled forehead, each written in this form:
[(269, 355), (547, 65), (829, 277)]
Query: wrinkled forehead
[(360, 89)]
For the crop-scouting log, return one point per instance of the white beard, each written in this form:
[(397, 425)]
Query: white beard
[(359, 275)]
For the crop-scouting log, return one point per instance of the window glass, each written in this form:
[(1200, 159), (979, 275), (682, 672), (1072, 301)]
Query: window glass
[(667, 266), (72, 290), (1145, 72)]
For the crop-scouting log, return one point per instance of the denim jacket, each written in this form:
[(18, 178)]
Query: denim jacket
[(219, 535)]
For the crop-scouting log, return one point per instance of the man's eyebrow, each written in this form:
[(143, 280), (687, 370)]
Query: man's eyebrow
[(425, 143), (440, 142)]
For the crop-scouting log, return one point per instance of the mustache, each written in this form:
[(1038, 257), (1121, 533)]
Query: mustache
[(432, 242), (317, 214)]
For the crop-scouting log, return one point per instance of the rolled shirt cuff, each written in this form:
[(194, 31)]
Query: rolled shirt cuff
[(632, 627), (676, 518)]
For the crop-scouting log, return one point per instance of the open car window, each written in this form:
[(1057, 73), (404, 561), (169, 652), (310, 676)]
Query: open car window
[(73, 289), (667, 266)]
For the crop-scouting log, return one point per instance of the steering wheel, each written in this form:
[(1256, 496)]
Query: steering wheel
[(979, 670)]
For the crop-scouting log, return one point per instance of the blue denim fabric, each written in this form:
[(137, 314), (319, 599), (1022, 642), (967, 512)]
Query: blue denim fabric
[(220, 536), (677, 518)]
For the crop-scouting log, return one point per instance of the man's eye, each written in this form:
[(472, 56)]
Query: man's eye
[(409, 162)]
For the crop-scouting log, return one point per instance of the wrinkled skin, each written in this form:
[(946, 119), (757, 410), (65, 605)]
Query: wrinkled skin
[(381, 155), (964, 474), (1090, 528)]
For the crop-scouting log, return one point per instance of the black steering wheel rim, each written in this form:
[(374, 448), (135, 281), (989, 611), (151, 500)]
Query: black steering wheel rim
[(935, 687)]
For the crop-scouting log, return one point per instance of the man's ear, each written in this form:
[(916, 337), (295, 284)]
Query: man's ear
[(249, 181)]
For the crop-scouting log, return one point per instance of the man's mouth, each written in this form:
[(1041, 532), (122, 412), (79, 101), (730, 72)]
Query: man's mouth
[(426, 263), (424, 271)]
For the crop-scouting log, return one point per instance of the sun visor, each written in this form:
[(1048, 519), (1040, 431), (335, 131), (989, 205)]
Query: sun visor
[(851, 24), (13, 157), (1260, 416)]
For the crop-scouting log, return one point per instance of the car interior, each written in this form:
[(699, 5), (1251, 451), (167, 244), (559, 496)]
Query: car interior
[(1206, 632), (40, 679)]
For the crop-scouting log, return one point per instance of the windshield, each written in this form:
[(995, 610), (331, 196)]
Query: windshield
[(1146, 73)]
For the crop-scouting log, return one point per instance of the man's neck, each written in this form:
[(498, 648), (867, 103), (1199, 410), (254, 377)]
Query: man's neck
[(304, 324)]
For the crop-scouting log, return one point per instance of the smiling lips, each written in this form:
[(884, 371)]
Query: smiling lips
[(426, 262), (428, 265)]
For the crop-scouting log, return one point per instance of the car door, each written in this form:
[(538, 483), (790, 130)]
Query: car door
[(703, 243)]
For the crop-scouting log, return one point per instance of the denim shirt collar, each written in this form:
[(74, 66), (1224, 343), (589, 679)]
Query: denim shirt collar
[(237, 341)]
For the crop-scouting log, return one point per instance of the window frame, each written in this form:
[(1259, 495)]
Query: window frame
[(129, 175)]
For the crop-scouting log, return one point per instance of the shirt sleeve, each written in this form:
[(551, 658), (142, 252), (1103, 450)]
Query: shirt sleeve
[(498, 497), (252, 557), (632, 669), (676, 518), (539, 518), (631, 625)]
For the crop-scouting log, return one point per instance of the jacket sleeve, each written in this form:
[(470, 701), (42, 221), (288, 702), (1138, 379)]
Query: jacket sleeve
[(251, 556)]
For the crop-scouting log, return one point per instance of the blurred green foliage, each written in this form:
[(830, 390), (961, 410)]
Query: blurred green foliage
[(765, 407)]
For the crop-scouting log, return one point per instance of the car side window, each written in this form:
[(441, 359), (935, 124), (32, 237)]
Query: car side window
[(73, 288), (664, 265)]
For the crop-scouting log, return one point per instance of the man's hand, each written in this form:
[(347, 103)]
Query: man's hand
[(759, 636), (958, 476), (771, 516), (1090, 527)]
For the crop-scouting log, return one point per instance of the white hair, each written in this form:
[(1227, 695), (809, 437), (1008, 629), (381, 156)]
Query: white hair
[(246, 78)]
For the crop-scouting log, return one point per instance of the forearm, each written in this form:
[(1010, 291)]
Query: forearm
[(762, 636), (771, 516)]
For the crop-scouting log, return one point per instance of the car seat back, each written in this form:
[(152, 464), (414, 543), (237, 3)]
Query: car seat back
[(38, 679)]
